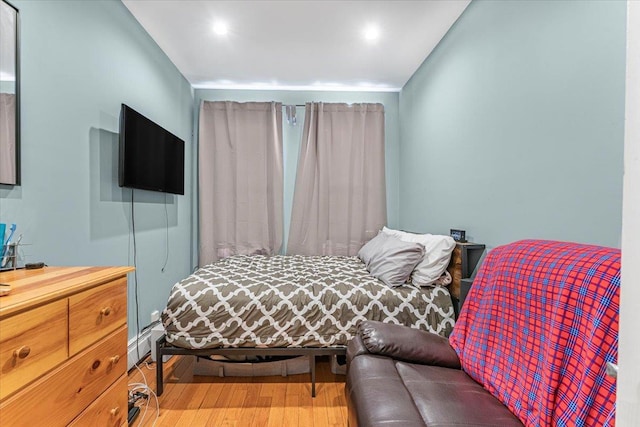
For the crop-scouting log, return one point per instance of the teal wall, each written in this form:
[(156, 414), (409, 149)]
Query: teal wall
[(80, 61), (513, 126), (292, 134)]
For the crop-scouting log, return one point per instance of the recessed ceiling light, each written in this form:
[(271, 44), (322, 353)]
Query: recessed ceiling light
[(220, 28), (371, 33)]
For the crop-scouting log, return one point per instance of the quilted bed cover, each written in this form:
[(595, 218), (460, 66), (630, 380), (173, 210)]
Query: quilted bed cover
[(293, 301), (538, 327)]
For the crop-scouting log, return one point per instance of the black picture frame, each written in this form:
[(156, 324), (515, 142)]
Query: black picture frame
[(18, 168)]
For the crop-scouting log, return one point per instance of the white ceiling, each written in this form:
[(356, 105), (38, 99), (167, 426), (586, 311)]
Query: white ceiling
[(297, 44)]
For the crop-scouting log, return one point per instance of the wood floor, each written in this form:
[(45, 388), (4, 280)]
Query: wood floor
[(242, 401)]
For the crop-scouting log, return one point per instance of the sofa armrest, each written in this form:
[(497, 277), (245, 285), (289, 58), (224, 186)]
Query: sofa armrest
[(407, 344), (355, 347)]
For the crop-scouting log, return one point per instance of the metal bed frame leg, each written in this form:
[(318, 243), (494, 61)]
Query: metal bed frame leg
[(312, 361), (159, 367), (163, 348)]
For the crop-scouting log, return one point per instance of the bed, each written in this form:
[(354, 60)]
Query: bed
[(290, 305), (293, 301)]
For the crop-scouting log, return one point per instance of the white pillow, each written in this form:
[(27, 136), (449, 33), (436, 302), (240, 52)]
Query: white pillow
[(438, 249)]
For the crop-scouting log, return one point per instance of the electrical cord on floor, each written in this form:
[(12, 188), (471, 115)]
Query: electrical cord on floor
[(135, 275), (143, 391), (139, 389)]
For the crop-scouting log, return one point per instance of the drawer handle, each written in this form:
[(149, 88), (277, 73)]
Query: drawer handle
[(22, 352), (114, 360), (115, 411), (105, 311)]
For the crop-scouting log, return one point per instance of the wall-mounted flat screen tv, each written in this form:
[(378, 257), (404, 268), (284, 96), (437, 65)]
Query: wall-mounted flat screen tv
[(150, 158)]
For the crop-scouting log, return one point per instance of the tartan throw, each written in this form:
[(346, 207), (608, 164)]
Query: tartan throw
[(537, 328)]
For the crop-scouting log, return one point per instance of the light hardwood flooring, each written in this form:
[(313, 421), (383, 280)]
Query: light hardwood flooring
[(242, 401)]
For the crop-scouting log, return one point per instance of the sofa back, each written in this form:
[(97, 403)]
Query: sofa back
[(537, 328)]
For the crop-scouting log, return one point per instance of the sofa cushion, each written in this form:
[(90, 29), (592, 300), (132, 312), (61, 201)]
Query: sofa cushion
[(377, 395), (384, 392), (449, 397)]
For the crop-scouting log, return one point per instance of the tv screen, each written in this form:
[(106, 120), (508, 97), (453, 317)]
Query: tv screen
[(151, 158)]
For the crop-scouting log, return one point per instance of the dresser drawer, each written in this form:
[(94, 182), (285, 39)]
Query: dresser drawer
[(109, 410), (61, 395), (31, 343), (95, 313)]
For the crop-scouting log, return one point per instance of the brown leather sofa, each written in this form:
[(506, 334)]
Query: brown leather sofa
[(534, 338), (398, 376)]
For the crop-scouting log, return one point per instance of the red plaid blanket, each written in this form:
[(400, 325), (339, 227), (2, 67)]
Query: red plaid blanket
[(538, 327)]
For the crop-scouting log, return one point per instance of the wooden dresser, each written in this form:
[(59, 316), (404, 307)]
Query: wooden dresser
[(63, 347)]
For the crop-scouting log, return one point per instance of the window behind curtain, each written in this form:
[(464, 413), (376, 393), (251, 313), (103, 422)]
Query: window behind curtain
[(339, 200), (240, 179)]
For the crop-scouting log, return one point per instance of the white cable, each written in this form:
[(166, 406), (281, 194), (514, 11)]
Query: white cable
[(145, 387), (152, 393), (146, 384)]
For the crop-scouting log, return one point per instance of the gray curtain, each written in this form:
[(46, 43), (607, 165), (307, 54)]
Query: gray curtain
[(7, 138), (240, 179), (339, 201)]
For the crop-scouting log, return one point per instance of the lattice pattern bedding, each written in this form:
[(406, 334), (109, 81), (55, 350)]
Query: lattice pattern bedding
[(293, 301)]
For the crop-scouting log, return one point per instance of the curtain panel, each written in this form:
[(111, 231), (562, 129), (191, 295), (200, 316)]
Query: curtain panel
[(240, 179), (339, 200), (7, 138)]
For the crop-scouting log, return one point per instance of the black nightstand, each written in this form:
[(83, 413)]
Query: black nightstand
[(470, 254), (465, 286)]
